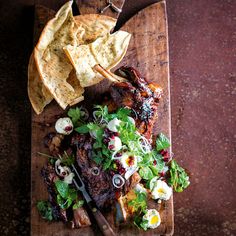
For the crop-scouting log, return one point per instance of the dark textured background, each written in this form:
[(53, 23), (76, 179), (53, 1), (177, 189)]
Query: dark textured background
[(202, 42)]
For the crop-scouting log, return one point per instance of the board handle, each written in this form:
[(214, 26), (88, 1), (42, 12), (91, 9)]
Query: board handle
[(103, 224)]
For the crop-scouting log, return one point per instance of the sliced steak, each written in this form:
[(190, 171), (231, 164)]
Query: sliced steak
[(99, 186), (49, 176)]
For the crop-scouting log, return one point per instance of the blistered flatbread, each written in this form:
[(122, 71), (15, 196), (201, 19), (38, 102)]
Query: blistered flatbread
[(38, 94), (107, 51), (53, 65), (89, 28)]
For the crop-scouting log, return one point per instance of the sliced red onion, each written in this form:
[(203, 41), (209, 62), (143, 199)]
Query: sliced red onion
[(86, 113), (144, 145), (95, 170), (118, 181)]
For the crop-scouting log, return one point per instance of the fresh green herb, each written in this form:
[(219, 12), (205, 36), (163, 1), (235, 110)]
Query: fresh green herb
[(146, 173), (97, 156), (52, 161), (82, 129), (66, 159), (66, 194), (123, 113), (139, 203), (102, 112), (178, 177), (62, 188), (63, 203), (45, 210), (78, 204), (144, 224), (162, 142), (76, 116)]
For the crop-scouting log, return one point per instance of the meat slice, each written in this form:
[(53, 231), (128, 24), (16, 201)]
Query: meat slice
[(139, 95), (98, 185), (50, 177), (131, 182), (81, 218)]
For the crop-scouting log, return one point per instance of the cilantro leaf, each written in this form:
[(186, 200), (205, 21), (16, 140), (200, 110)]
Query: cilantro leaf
[(66, 195), (146, 173), (102, 112), (66, 159), (63, 203), (123, 113), (82, 129), (162, 142), (78, 204), (75, 115), (144, 224), (62, 188), (178, 177), (139, 204), (45, 210)]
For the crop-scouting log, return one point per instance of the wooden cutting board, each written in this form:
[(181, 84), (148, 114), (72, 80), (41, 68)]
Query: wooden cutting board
[(148, 52)]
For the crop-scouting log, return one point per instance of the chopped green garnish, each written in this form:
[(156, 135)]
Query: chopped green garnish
[(146, 173), (102, 112), (66, 194), (45, 210), (66, 159), (76, 115), (139, 203), (179, 179), (162, 142), (82, 129), (78, 204), (144, 224)]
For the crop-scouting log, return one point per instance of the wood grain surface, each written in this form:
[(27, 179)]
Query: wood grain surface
[(148, 51)]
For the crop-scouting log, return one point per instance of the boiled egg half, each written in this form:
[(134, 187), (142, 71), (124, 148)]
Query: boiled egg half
[(128, 161), (64, 126), (153, 218), (161, 190), (113, 124)]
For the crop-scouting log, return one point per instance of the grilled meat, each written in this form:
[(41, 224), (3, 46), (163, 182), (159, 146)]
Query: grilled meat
[(50, 177), (139, 95), (54, 142), (142, 98), (79, 216), (99, 185)]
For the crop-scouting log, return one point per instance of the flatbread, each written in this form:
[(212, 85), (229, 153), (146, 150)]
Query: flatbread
[(94, 26), (38, 94), (53, 66), (90, 27), (107, 51)]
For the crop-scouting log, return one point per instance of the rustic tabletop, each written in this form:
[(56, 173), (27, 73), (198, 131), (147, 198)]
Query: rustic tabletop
[(202, 44)]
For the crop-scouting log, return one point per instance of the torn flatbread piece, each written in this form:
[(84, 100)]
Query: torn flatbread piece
[(53, 65), (107, 51), (94, 26), (38, 94)]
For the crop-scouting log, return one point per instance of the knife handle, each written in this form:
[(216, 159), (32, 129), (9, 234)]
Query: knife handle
[(103, 224)]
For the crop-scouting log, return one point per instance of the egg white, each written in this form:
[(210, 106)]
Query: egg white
[(161, 190), (153, 218)]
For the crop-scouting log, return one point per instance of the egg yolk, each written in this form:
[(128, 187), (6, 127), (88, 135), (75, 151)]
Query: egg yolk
[(154, 220), (130, 161), (161, 191)]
